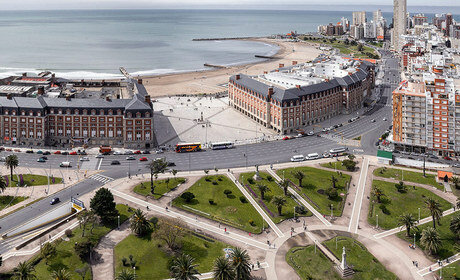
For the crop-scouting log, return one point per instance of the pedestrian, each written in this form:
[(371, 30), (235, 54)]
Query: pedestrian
[(166, 208), (225, 229), (258, 264), (416, 264)]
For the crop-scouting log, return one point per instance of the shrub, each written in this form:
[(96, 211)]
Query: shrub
[(207, 179), (219, 179), (401, 187), (227, 192), (269, 178), (243, 199), (251, 181), (301, 210), (154, 221), (350, 165), (332, 193), (187, 196), (384, 209), (124, 261), (211, 201), (251, 222), (214, 183)]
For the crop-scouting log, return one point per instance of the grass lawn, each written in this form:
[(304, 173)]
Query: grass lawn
[(346, 49), (409, 176), (451, 271), (275, 190), (449, 246), (314, 185), (10, 200), (336, 165), (311, 265), (65, 254), (226, 209), (161, 187), (32, 180), (152, 260), (398, 203), (365, 265)]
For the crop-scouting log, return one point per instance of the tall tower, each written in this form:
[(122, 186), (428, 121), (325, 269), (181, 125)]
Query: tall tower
[(399, 22)]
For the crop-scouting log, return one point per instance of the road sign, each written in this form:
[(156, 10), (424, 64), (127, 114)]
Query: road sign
[(77, 204)]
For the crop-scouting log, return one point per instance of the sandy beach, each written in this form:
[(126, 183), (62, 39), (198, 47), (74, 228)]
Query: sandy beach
[(214, 80)]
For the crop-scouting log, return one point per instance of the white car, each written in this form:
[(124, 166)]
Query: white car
[(2, 159), (117, 153), (384, 119), (311, 133), (84, 159), (99, 156)]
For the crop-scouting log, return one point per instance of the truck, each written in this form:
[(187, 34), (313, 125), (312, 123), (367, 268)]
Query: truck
[(105, 149)]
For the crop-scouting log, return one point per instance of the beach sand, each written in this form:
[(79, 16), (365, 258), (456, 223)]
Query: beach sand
[(213, 81)]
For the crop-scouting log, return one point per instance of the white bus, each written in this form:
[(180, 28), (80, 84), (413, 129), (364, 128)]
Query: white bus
[(221, 145), (312, 156), (297, 158), (338, 151)]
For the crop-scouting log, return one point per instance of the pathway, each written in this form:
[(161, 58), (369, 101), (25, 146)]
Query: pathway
[(355, 214), (436, 266)]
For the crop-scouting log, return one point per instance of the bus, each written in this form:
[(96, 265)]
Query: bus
[(221, 145), (188, 147), (338, 151)]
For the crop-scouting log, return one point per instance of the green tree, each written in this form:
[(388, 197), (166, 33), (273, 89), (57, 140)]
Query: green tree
[(299, 175), (400, 187), (126, 275), (187, 196), (170, 231), (455, 225), (60, 274), (408, 221), (223, 269), (24, 271), (359, 48), (378, 193), (285, 185), (333, 181), (83, 249), (458, 202), (240, 261), (47, 251), (139, 223), (11, 162), (156, 167), (86, 218), (431, 240), (456, 182), (263, 189), (183, 268), (279, 202), (350, 165), (104, 205), (3, 184), (82, 271), (435, 210)]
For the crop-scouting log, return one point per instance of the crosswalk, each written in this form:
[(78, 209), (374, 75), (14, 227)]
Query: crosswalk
[(101, 178)]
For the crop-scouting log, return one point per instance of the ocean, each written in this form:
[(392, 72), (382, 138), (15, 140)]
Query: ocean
[(95, 43)]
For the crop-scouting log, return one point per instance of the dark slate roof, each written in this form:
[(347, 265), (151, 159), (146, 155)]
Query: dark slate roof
[(29, 103), (5, 102), (85, 103), (137, 103), (140, 89)]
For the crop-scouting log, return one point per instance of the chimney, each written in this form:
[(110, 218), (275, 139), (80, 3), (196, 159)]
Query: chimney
[(265, 72), (41, 90), (148, 100), (297, 86), (277, 70), (139, 81), (294, 62), (281, 65), (67, 97), (237, 76), (270, 92), (9, 96)]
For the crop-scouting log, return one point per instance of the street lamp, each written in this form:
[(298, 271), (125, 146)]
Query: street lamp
[(294, 213), (377, 220), (118, 221), (419, 214), (414, 240), (332, 208)]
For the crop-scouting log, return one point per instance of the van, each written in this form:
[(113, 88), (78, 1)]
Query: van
[(312, 156), (65, 164), (297, 158)]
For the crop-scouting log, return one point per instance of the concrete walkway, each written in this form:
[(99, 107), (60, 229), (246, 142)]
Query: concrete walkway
[(435, 267), (354, 220)]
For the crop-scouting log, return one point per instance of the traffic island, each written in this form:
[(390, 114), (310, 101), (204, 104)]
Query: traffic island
[(161, 187)]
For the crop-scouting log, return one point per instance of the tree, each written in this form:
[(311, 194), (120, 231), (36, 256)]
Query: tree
[(359, 48), (223, 269), (170, 231), (333, 181), (455, 226), (456, 182), (174, 172), (350, 165), (351, 157), (279, 202), (457, 204), (24, 271), (85, 218), (285, 185), (126, 275), (435, 209), (60, 274), (11, 162), (47, 251), (430, 240), (240, 262), (332, 193), (83, 249), (156, 167), (408, 221), (299, 175), (183, 268), (378, 193), (82, 271), (104, 206), (187, 196), (3, 184), (206, 171), (263, 189), (139, 223), (401, 187)]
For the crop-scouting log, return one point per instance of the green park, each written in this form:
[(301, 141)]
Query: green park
[(160, 187)]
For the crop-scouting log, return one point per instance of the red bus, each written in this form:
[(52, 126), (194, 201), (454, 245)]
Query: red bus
[(188, 147)]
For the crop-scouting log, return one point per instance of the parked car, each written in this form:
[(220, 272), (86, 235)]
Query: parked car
[(17, 150), (159, 151), (99, 156), (83, 153), (129, 152), (45, 158), (384, 119), (64, 153), (143, 159), (286, 138), (373, 121), (115, 162), (39, 152), (170, 163), (130, 158), (73, 153), (146, 152), (29, 152), (57, 152), (54, 201), (46, 153), (2, 159), (84, 159), (137, 152), (311, 133), (447, 158), (117, 153), (41, 160)]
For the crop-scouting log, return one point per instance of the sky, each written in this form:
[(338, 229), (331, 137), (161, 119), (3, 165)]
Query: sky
[(152, 4)]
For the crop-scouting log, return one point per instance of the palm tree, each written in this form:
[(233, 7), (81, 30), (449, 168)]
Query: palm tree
[(299, 175), (126, 275), (3, 184), (408, 221), (333, 180), (184, 269), (223, 269), (456, 181), (285, 185), (240, 262), (11, 162), (156, 167), (378, 193), (455, 225), (279, 202), (47, 251), (139, 223), (435, 210), (263, 189), (458, 202), (430, 240), (60, 274), (24, 271)]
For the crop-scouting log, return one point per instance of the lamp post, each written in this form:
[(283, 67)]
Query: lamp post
[(419, 214), (332, 213), (294, 213), (377, 220), (414, 240), (118, 221)]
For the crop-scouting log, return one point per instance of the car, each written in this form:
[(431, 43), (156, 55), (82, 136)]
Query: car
[(130, 158), (137, 152), (41, 160), (336, 126), (29, 152), (2, 159), (64, 153), (456, 165), (447, 158), (54, 201), (311, 133), (146, 152), (143, 159), (84, 159), (99, 156), (73, 153), (46, 153), (170, 163), (45, 158), (377, 143), (17, 150), (129, 152), (158, 151), (115, 162), (65, 164), (384, 119), (116, 153), (326, 155), (324, 129), (39, 152), (373, 121), (57, 152), (286, 138), (83, 153)]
